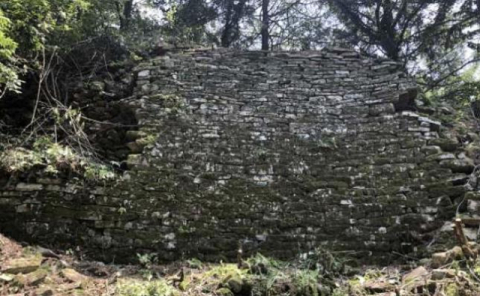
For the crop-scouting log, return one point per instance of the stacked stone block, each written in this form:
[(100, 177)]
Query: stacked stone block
[(278, 152)]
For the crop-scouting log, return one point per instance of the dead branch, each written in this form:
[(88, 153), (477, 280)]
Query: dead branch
[(462, 240)]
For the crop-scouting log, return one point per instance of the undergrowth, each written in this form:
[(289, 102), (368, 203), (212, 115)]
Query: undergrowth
[(52, 158), (55, 143), (133, 287), (255, 276)]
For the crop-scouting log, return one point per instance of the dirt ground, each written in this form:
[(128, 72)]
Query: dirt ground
[(33, 270)]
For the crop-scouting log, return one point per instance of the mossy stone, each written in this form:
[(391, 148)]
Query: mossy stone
[(447, 145), (235, 284), (224, 292)]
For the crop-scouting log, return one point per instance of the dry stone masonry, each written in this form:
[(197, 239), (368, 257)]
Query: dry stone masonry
[(278, 152)]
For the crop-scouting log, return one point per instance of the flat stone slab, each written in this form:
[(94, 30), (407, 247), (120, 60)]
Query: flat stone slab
[(72, 275), (23, 265)]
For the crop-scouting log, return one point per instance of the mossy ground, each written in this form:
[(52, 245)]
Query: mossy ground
[(316, 274)]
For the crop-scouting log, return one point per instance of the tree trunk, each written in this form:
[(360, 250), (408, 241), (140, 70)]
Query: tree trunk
[(234, 13), (265, 25), (126, 15), (225, 39)]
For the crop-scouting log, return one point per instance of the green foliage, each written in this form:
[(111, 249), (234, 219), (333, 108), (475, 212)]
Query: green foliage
[(25, 29), (272, 277), (328, 143), (451, 289), (214, 278), (147, 259), (186, 21), (53, 158), (132, 287), (95, 171), (7, 45), (8, 72), (34, 22), (195, 263), (224, 272), (278, 278), (33, 30), (262, 265), (341, 291), (122, 210), (9, 78), (398, 30), (458, 91), (324, 261), (19, 159), (306, 281)]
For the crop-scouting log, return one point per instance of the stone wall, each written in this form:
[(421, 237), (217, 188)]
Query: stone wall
[(278, 152)]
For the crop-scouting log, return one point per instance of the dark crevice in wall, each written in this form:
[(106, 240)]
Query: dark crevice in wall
[(108, 119), (406, 101), (16, 109), (109, 134)]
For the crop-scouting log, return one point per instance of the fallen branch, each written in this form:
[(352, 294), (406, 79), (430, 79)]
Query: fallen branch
[(462, 240)]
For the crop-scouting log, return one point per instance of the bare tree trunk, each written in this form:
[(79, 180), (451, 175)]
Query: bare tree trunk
[(265, 25), (126, 14), (225, 39)]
